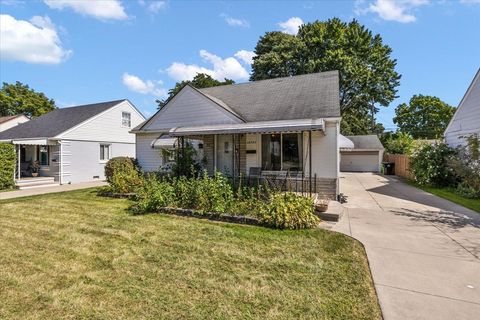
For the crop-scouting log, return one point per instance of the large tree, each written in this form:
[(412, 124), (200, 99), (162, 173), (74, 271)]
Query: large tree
[(424, 117), (201, 80), (19, 98), (367, 71)]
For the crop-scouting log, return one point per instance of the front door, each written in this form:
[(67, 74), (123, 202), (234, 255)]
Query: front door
[(225, 154)]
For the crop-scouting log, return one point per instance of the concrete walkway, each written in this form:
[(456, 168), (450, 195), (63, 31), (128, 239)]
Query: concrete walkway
[(50, 189), (424, 251)]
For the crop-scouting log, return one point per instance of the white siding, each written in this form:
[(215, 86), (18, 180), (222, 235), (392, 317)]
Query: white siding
[(325, 162), (466, 120), (12, 123), (148, 158), (81, 159), (189, 108), (107, 126)]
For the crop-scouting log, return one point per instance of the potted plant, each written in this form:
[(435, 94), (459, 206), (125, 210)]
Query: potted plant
[(321, 205), (34, 168)]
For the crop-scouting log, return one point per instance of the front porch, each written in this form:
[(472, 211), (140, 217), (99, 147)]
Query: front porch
[(38, 162), (283, 157)]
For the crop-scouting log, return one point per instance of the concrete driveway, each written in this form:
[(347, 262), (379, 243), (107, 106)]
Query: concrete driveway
[(424, 252)]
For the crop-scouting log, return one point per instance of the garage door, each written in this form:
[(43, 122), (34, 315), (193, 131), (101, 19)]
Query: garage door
[(365, 161)]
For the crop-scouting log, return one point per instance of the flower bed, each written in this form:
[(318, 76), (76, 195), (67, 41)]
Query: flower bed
[(214, 198)]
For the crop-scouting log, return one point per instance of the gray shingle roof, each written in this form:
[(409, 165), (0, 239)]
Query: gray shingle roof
[(57, 121), (308, 96), (366, 142)]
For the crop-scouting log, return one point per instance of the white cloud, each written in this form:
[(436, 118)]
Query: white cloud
[(152, 6), (221, 68), (392, 10), (235, 22), (291, 25), (245, 56), (103, 9), (36, 41), (138, 85)]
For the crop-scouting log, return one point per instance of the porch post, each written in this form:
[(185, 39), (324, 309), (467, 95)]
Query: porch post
[(310, 160), (19, 169)]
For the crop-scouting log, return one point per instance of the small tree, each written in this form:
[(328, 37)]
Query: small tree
[(8, 159), (201, 80), (185, 161)]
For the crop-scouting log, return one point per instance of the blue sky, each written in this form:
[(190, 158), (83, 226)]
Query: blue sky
[(81, 52)]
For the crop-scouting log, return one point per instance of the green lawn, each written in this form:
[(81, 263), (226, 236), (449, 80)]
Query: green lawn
[(450, 194), (76, 255)]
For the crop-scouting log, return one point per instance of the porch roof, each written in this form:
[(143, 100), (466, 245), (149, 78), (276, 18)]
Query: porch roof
[(251, 127), (38, 141)]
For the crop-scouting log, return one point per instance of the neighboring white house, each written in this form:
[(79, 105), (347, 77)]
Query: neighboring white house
[(466, 120), (73, 144), (12, 121), (285, 126), (364, 155)]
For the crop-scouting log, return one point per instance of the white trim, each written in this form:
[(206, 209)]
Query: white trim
[(475, 79)]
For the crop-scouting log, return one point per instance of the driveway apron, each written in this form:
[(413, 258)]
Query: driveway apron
[(424, 251)]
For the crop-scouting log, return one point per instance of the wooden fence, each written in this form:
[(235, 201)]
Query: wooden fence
[(402, 164)]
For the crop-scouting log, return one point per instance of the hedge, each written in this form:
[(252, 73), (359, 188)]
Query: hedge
[(8, 159)]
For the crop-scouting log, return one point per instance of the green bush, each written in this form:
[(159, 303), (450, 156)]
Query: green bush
[(8, 159), (289, 211), (123, 174), (401, 143), (153, 195), (430, 165), (214, 194)]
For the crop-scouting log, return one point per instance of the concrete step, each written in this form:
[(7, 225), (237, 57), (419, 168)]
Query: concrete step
[(35, 182)]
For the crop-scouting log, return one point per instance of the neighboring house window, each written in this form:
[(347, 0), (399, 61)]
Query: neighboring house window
[(104, 152), (126, 119), (43, 155), (282, 151)]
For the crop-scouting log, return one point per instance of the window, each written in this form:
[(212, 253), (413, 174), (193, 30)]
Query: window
[(43, 155), (104, 152), (282, 151), (126, 119)]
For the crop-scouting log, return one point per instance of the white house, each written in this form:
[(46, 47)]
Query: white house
[(8, 122), (73, 144), (466, 120), (285, 126)]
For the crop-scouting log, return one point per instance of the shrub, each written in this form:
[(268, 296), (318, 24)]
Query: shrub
[(153, 195), (8, 159), (214, 194), (467, 168), (401, 143), (123, 174), (430, 165), (289, 211)]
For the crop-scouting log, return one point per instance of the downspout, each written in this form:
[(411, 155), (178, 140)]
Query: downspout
[(61, 163)]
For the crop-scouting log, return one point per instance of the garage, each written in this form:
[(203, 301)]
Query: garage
[(365, 156)]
